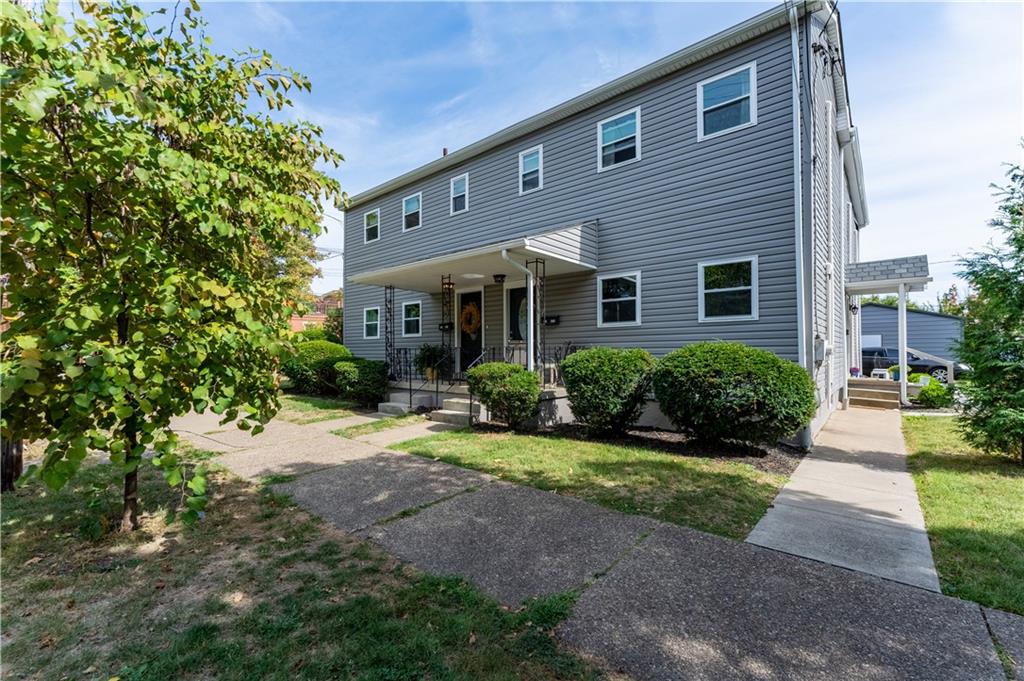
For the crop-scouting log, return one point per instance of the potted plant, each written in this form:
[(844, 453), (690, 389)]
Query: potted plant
[(894, 372), (427, 360), (855, 371)]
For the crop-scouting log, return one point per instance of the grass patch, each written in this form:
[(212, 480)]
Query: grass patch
[(974, 510), (258, 589), (303, 409), (710, 494), (379, 425)]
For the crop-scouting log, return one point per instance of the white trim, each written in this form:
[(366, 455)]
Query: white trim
[(452, 195), (753, 288), (418, 195), (752, 66), (371, 212), (365, 310), (406, 304), (600, 157), (540, 169), (618, 275)]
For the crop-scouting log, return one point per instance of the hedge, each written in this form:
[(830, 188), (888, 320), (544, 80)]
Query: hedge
[(607, 387), (731, 391), (935, 395), (362, 380), (510, 392), (311, 368)]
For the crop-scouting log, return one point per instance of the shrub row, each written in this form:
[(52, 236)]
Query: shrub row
[(319, 367)]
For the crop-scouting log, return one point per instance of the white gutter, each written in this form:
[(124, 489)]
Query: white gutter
[(798, 188), (531, 350)]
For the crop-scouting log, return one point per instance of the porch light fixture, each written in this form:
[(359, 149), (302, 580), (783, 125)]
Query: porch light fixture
[(499, 278), (854, 309)]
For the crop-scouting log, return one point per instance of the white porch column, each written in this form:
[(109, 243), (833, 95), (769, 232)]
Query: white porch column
[(902, 330)]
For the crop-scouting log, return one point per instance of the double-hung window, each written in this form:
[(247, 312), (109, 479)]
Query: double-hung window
[(618, 299), (371, 323), (460, 194), (411, 212), (531, 169), (618, 139), (371, 226), (727, 290), (411, 313), (727, 102)]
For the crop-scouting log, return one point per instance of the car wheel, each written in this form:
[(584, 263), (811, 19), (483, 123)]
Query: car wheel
[(939, 374)]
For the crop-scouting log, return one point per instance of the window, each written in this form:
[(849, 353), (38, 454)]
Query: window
[(371, 226), (411, 318), (411, 212), (618, 299), (618, 139), (727, 290), (371, 322), (531, 169), (460, 194), (727, 102)]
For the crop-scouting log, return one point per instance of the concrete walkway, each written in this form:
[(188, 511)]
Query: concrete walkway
[(657, 601), (852, 503)]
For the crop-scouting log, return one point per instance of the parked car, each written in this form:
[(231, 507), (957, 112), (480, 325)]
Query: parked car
[(883, 358)]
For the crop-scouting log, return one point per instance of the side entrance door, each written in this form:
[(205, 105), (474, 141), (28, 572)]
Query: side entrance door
[(470, 327)]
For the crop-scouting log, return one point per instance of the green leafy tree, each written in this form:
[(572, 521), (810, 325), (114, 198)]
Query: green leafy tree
[(951, 302), (993, 343), (334, 325), (155, 214), (891, 300)]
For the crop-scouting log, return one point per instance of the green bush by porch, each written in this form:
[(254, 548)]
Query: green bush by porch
[(362, 380), (607, 387), (311, 368), (509, 391)]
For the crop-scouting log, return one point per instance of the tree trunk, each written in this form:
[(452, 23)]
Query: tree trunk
[(10, 463), (130, 509)]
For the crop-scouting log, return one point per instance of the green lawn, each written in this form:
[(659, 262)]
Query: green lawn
[(974, 509), (310, 408), (715, 495), (379, 425), (258, 589)]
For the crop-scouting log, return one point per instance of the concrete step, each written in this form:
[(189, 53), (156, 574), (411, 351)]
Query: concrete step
[(394, 408), (873, 393), (874, 384), (418, 399), (874, 403), (462, 404), (456, 418)]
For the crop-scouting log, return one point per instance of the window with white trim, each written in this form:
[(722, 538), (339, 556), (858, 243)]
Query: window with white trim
[(727, 102), (411, 212), (371, 323), (460, 194), (411, 315), (371, 226), (618, 299), (727, 290), (618, 139), (531, 169)]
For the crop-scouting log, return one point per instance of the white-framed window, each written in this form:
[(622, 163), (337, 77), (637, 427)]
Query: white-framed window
[(412, 211), (727, 290), (371, 226), (618, 299), (618, 139), (412, 313), (460, 194), (371, 323), (531, 169), (727, 102)]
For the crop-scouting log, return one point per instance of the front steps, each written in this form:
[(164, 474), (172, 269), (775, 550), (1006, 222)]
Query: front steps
[(874, 393), (456, 411)]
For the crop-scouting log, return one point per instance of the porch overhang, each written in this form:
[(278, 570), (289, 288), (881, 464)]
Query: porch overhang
[(564, 251), (885, 276)]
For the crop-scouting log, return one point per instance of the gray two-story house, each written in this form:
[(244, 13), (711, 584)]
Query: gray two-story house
[(716, 193)]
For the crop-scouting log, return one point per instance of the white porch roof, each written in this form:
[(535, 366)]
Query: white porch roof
[(564, 251), (885, 276)]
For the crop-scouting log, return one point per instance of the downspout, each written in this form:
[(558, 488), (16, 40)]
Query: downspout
[(798, 198), (530, 350)]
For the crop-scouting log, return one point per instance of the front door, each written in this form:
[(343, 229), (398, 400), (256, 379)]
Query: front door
[(471, 328), (517, 319)]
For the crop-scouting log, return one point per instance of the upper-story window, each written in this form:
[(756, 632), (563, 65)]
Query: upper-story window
[(371, 226), (618, 139), (618, 299), (460, 193), (412, 211), (727, 290), (411, 313), (727, 102), (531, 169)]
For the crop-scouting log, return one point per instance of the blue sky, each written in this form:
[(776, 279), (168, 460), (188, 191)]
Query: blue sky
[(936, 91)]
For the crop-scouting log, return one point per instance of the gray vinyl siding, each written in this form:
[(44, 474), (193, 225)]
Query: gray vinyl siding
[(684, 202), (932, 333), (578, 242)]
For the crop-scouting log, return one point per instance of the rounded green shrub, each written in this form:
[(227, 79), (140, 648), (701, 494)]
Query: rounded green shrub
[(510, 392), (311, 368), (607, 387), (935, 396), (313, 333), (362, 380), (731, 391)]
